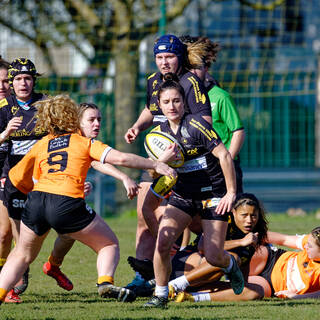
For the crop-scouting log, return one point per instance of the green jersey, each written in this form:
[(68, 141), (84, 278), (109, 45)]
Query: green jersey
[(225, 117)]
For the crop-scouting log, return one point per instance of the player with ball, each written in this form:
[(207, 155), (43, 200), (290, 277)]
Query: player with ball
[(206, 185)]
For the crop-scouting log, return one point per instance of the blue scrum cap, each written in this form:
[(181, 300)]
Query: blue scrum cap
[(169, 43)]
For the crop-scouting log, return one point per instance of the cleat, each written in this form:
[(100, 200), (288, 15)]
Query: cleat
[(172, 293), (108, 290), (157, 302), (55, 273), (21, 288), (141, 287), (144, 267), (236, 277), (12, 297), (184, 296)]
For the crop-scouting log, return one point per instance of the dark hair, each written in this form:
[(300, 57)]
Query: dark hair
[(316, 235), (4, 64), (85, 106), (171, 81), (262, 224)]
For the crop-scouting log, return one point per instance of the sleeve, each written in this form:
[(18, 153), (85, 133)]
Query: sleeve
[(229, 113), (203, 132), (21, 174), (301, 241), (98, 150), (3, 117), (197, 98)]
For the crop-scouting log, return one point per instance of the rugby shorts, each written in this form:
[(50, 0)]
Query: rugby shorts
[(206, 207), (62, 213)]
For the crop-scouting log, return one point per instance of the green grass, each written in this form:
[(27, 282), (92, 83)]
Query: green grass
[(44, 300)]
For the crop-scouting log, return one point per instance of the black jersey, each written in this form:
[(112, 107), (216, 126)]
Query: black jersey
[(20, 141), (201, 172), (197, 100), (233, 233)]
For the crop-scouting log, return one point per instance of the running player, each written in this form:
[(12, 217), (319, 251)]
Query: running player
[(56, 201), (17, 127), (206, 185), (90, 122), (170, 56)]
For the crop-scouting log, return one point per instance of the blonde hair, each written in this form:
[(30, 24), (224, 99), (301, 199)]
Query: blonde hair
[(58, 115), (201, 51)]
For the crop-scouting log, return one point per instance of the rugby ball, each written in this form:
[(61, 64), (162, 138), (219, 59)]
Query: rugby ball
[(156, 142)]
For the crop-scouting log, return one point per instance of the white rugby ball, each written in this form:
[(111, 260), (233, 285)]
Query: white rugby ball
[(156, 142)]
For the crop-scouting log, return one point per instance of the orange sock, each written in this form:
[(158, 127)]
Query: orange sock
[(3, 294), (54, 261), (105, 279)]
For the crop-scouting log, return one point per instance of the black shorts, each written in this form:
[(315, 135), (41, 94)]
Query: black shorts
[(274, 254), (62, 213), (239, 176), (145, 177), (14, 200), (206, 208)]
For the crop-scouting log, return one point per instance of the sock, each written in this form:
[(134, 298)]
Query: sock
[(228, 269), (180, 283), (105, 279), (161, 291), (3, 294), (201, 296), (55, 261)]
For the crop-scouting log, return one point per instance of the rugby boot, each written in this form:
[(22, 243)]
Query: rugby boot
[(184, 296), (236, 277), (144, 267), (55, 273), (108, 290), (12, 297), (141, 287), (21, 288), (157, 302)]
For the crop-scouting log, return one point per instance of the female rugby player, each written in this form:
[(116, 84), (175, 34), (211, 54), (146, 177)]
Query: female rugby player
[(206, 184), (56, 201)]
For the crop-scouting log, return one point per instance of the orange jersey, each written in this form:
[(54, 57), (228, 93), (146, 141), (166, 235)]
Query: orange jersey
[(61, 164), (294, 271)]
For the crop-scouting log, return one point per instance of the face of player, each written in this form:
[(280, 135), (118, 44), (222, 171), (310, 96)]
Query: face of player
[(200, 72), (246, 217), (4, 83), (312, 248), (171, 104), (90, 123), (167, 62), (23, 86)]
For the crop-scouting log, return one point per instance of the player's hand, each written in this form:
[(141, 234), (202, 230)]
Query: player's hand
[(250, 239), (131, 186), (225, 204), (12, 126), (87, 188), (285, 294), (164, 169), (170, 154), (131, 135)]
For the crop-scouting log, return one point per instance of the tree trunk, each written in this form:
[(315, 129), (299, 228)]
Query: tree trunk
[(125, 110)]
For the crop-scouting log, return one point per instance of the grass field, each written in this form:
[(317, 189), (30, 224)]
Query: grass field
[(44, 300)]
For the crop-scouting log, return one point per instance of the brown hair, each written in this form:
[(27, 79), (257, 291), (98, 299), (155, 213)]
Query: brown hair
[(58, 115), (85, 106), (201, 51), (316, 234)]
